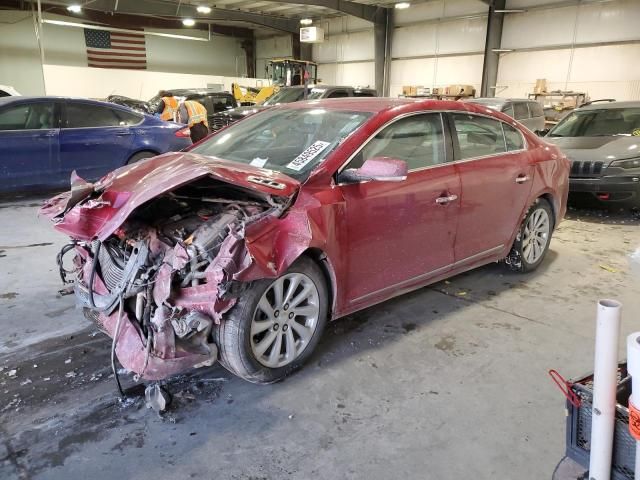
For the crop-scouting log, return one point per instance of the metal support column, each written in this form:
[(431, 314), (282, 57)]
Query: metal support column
[(382, 32), (493, 40)]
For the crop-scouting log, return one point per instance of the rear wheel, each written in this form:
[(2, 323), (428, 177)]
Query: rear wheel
[(140, 156), (276, 324), (533, 238)]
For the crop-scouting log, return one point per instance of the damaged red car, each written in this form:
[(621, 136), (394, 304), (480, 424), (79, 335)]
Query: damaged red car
[(242, 249)]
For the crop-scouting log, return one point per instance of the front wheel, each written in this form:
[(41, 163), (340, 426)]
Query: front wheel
[(533, 238), (275, 326)]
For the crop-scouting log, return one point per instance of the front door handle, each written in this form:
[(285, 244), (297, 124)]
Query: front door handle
[(522, 179), (445, 200)]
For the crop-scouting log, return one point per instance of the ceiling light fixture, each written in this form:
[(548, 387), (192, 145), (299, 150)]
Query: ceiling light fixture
[(510, 10), (188, 22), (204, 9), (75, 8), (501, 50), (306, 21), (402, 5)]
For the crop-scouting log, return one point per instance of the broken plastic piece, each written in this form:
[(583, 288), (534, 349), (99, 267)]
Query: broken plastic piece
[(157, 397)]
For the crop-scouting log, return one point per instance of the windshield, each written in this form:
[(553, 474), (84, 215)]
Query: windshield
[(286, 95), (293, 142), (599, 123)]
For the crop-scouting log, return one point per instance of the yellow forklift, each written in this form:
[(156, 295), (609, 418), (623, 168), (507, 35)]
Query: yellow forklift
[(283, 72)]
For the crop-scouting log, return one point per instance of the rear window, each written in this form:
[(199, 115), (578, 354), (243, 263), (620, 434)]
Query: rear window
[(508, 109), (83, 115), (520, 111), (536, 109)]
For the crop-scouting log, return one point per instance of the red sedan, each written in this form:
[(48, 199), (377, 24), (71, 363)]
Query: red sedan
[(244, 247)]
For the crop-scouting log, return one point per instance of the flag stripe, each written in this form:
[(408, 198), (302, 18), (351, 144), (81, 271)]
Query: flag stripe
[(116, 60), (142, 49), (123, 67), (128, 42), (120, 54), (132, 35)]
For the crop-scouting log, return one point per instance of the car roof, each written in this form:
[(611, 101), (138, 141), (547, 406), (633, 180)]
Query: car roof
[(380, 104), (498, 100), (9, 100), (610, 105)]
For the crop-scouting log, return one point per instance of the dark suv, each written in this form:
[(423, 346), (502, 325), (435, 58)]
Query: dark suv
[(603, 144), (288, 95), (214, 101)]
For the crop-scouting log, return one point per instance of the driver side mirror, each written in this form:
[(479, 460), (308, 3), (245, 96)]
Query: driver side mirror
[(381, 169), (541, 133)]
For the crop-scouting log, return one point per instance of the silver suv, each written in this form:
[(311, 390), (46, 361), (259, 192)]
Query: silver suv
[(527, 112)]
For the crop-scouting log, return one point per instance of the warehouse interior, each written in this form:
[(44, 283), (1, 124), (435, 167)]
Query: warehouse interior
[(484, 365)]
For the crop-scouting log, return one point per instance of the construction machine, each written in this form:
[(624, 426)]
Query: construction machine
[(283, 72)]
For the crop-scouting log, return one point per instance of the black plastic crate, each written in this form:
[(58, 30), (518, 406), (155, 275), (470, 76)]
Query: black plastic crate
[(579, 426)]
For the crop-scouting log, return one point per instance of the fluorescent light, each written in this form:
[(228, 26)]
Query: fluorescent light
[(75, 8), (306, 21), (510, 10), (188, 22), (502, 50), (204, 9), (402, 5), (124, 30)]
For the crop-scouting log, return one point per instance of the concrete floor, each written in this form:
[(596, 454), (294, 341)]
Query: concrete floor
[(448, 382)]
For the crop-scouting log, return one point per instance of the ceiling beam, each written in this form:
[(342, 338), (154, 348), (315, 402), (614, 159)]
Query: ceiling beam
[(172, 10), (360, 10)]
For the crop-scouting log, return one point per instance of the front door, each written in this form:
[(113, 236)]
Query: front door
[(401, 233), (496, 180), (94, 140), (29, 137)]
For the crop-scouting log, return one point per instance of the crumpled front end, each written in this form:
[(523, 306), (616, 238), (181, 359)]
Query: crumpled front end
[(167, 274)]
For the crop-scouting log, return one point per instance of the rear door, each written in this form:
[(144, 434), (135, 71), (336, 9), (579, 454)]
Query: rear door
[(496, 179), (94, 138), (29, 135), (402, 233)]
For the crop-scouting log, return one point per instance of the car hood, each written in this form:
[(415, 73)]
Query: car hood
[(603, 149), (91, 211)]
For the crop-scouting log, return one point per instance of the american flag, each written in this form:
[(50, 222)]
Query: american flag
[(107, 49)]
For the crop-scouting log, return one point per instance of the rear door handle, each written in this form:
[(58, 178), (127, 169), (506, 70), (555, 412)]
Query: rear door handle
[(522, 179), (445, 200)]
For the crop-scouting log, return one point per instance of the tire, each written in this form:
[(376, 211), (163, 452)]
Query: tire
[(241, 351), (527, 253), (136, 157)]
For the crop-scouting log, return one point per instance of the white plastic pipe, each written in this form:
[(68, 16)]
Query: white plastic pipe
[(633, 367), (605, 380)]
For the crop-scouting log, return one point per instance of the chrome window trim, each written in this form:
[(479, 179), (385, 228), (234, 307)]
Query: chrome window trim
[(441, 112), (431, 273)]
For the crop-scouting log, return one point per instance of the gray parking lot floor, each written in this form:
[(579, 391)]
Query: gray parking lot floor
[(447, 382)]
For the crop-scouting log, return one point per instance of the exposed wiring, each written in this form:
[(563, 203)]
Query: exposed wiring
[(92, 276)]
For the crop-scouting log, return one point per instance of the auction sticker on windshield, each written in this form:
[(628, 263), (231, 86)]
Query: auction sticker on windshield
[(311, 152)]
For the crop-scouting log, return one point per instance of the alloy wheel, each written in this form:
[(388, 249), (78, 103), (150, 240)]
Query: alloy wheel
[(285, 320), (536, 235)]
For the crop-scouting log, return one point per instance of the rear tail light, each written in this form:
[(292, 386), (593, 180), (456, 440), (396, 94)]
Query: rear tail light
[(183, 133), (604, 196)]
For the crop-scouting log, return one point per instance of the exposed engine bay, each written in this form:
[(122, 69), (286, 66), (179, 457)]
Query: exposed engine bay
[(163, 278)]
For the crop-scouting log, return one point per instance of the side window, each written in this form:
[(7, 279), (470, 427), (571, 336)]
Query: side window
[(478, 136), (536, 109), (513, 138), (520, 110), (508, 110), (363, 93), (128, 118), (83, 115), (32, 116), (338, 94), (418, 140)]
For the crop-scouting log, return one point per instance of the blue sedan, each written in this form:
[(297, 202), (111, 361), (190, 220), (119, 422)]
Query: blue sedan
[(43, 139)]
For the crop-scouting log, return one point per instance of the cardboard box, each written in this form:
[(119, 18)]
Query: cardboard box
[(541, 86), (423, 91), (409, 90), (459, 90)]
